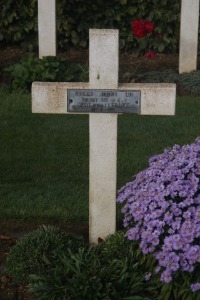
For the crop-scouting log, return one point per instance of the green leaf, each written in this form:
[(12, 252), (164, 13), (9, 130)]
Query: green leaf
[(35, 277), (161, 48), (123, 2)]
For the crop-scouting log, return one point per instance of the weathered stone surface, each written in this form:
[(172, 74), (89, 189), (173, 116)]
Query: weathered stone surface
[(103, 72), (47, 27), (103, 58), (156, 98)]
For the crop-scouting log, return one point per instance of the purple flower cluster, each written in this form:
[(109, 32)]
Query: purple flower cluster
[(195, 286), (162, 209)]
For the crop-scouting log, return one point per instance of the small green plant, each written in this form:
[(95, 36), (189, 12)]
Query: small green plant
[(95, 273), (50, 68), (168, 76), (158, 77), (190, 82), (33, 253), (116, 246)]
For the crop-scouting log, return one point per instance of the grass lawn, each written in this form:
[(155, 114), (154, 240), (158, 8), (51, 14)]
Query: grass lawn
[(44, 159)]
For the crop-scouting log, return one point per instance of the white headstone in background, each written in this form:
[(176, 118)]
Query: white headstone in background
[(188, 35), (156, 99), (47, 27)]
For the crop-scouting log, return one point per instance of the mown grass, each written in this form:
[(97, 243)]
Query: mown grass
[(44, 158)]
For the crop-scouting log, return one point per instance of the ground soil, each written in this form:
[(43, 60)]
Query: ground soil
[(12, 230), (127, 62)]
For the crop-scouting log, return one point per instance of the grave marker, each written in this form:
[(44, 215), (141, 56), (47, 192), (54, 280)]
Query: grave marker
[(103, 89), (47, 27), (188, 35)]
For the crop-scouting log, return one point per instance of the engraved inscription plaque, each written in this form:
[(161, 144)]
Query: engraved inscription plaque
[(103, 101)]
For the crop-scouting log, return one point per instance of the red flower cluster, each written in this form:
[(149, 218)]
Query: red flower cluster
[(150, 54), (142, 27)]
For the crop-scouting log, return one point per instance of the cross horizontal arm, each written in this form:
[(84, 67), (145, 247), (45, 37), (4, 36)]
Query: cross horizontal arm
[(156, 98)]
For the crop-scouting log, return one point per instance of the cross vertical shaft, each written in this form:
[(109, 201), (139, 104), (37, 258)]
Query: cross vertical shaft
[(103, 70)]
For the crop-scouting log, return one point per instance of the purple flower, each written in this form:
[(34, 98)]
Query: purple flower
[(162, 209), (166, 276), (147, 276), (195, 286), (157, 269)]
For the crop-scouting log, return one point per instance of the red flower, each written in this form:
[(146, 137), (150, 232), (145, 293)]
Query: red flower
[(149, 26), (150, 54), (142, 27), (139, 29)]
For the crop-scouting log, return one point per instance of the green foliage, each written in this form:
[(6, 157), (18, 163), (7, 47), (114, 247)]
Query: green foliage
[(94, 274), (179, 288), (73, 30), (18, 22), (49, 68), (58, 69), (120, 16), (165, 16), (32, 253), (116, 246), (190, 82), (168, 76)]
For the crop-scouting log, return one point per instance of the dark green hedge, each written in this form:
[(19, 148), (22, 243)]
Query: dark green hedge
[(18, 22)]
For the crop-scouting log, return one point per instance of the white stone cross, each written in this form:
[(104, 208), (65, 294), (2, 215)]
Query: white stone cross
[(188, 35), (156, 99), (47, 27)]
